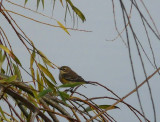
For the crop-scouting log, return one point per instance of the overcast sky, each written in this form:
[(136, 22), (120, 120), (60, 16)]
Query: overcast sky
[(89, 54)]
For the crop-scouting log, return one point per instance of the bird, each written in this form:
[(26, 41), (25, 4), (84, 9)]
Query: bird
[(67, 75)]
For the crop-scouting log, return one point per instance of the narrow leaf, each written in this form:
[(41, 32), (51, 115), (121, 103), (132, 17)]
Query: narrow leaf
[(79, 13), (40, 82), (63, 27), (49, 84), (46, 71), (43, 3), (17, 71), (44, 92), (2, 58), (64, 96), (10, 79), (61, 2), (45, 59), (102, 107), (38, 1), (71, 85), (32, 58), (25, 2), (10, 54), (2, 113)]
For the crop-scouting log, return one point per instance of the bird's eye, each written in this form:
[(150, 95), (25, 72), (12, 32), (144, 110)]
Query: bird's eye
[(64, 69)]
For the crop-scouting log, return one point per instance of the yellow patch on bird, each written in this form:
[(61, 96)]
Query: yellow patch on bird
[(64, 81)]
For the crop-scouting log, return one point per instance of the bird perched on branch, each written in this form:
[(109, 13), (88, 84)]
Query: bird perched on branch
[(67, 75)]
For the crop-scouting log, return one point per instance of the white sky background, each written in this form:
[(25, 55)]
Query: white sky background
[(89, 54)]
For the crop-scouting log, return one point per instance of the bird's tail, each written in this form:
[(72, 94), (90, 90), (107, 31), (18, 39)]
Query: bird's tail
[(92, 83)]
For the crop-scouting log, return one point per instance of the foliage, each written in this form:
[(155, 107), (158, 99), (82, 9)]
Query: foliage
[(42, 95)]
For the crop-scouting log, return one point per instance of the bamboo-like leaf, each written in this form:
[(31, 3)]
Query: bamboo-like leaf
[(9, 79), (43, 3), (79, 13), (31, 99), (34, 92), (71, 84), (25, 2), (102, 107), (46, 71), (63, 27), (38, 1), (40, 82), (64, 96), (2, 113), (44, 92), (50, 85), (33, 74), (2, 58), (45, 59), (61, 2), (17, 71), (32, 58), (10, 54), (29, 117)]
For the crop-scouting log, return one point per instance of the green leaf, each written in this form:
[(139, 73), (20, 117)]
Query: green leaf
[(25, 2), (46, 71), (63, 27), (9, 79), (49, 84), (43, 3), (2, 113), (45, 59), (44, 92), (10, 54), (40, 82), (32, 58), (102, 107), (71, 84), (17, 71), (2, 58), (38, 1), (64, 96), (79, 13)]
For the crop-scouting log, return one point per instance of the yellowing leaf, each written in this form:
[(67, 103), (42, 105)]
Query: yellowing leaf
[(102, 107), (76, 10), (17, 72), (8, 79), (2, 58), (63, 27), (2, 113), (46, 71), (32, 58), (61, 2), (10, 54), (49, 84), (40, 82), (45, 59)]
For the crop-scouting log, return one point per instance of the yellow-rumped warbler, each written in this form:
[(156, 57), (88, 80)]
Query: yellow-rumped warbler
[(67, 75)]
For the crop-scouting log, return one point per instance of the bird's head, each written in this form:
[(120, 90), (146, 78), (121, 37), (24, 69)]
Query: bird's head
[(64, 69)]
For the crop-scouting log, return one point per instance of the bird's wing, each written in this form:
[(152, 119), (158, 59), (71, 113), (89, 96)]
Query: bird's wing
[(73, 78)]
